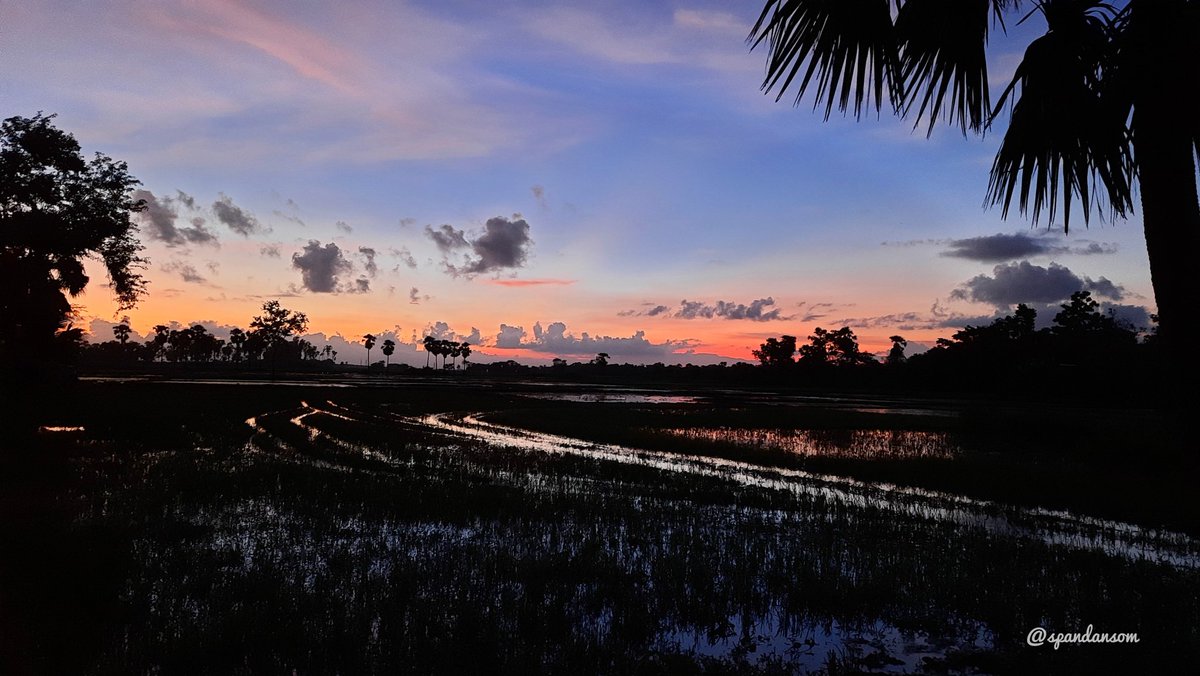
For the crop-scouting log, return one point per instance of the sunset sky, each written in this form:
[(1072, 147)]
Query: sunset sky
[(542, 179)]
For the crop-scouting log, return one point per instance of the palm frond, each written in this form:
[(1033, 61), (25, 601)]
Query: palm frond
[(1065, 139), (943, 51), (846, 47)]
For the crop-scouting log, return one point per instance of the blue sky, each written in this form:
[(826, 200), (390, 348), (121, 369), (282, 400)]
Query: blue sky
[(625, 145)]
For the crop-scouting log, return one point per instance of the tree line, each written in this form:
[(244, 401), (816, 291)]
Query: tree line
[(1082, 346)]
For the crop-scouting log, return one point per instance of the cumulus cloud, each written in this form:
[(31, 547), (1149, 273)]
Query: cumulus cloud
[(1007, 247), (554, 339), (320, 267), (442, 331), (510, 337), (160, 215), (503, 245), (1024, 282), (234, 217)]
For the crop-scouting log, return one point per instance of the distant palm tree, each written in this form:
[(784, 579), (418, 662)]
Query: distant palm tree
[(369, 342), (427, 342), (389, 346), (465, 350), (121, 333), (1104, 100)]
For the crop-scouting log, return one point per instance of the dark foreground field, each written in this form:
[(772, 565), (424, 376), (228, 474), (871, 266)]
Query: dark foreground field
[(466, 528)]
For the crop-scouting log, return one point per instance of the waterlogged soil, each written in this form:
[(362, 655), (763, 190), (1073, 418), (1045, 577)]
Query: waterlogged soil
[(472, 528)]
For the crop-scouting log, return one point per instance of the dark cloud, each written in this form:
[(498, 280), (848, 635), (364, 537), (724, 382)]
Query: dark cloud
[(320, 266), (447, 238), (159, 219), (405, 257), (186, 199), (416, 297), (759, 310), (1005, 247), (504, 245), (406, 221), (1136, 316), (369, 265), (235, 217), (186, 272), (554, 339), (756, 311), (1024, 282), (344, 227), (814, 311), (361, 285), (539, 194), (270, 250)]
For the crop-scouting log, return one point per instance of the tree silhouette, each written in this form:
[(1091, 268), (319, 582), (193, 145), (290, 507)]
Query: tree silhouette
[(368, 342), (837, 348), (427, 343), (121, 333), (56, 209), (1096, 105), (237, 338), (389, 346), (465, 351), (273, 327), (895, 355), (776, 353)]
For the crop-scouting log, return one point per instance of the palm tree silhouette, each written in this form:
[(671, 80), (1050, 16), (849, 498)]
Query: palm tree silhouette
[(464, 350), (368, 342), (389, 346), (427, 343), (1096, 105)]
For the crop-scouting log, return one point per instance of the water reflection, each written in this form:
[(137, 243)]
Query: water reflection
[(856, 444), (352, 539)]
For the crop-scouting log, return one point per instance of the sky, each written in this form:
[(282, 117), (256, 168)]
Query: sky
[(540, 179)]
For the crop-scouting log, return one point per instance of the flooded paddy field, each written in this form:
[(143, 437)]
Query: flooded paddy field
[(471, 528)]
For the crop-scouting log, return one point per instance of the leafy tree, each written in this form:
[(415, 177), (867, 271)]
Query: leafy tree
[(838, 348), (389, 346), (237, 339), (465, 351), (1096, 107), (121, 333), (776, 353), (271, 330), (601, 359), (57, 209)]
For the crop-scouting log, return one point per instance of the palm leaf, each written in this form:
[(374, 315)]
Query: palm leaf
[(1065, 139), (846, 47), (943, 51)]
